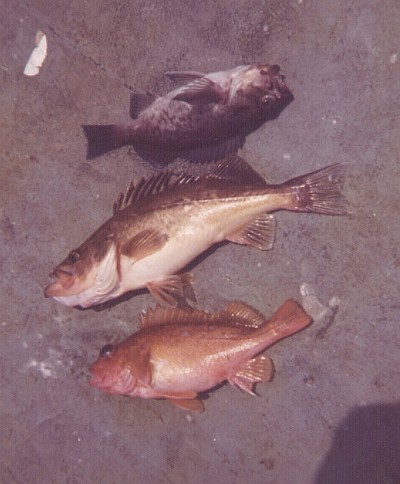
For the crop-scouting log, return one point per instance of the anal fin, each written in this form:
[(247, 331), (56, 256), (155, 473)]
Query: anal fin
[(171, 289), (259, 233), (193, 405), (254, 371), (187, 400)]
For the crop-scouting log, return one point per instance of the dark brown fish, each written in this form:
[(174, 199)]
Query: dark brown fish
[(204, 120), (179, 353), (164, 222)]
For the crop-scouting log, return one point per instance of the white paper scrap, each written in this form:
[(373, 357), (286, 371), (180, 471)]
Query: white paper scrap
[(38, 55)]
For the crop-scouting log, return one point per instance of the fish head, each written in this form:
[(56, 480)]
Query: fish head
[(112, 372), (87, 276), (264, 85)]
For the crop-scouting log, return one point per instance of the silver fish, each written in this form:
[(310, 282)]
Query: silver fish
[(204, 120), (164, 222)]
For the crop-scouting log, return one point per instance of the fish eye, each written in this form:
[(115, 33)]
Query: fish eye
[(107, 351), (73, 257), (264, 72)]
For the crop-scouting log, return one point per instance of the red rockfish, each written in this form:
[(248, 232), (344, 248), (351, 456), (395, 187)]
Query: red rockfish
[(206, 119), (178, 354), (164, 222)]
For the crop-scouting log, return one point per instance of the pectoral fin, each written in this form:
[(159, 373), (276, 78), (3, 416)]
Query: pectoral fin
[(255, 370), (200, 91), (169, 290), (140, 361), (144, 244), (259, 233)]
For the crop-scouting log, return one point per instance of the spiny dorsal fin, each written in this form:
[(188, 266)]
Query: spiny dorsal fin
[(237, 168), (232, 168), (238, 313), (144, 188)]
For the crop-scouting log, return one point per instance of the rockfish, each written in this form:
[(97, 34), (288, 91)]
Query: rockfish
[(204, 120), (178, 353), (164, 222)]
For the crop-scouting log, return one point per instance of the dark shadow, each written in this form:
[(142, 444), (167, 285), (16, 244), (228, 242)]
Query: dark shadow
[(365, 448)]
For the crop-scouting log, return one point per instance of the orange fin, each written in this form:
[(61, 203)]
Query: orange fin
[(235, 314), (288, 319), (144, 244), (235, 167), (259, 233), (140, 362), (186, 400), (191, 404), (238, 313), (159, 316), (169, 290), (254, 371), (194, 405), (188, 395)]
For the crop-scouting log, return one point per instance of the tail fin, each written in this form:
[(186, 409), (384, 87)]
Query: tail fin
[(320, 191), (287, 320), (104, 138)]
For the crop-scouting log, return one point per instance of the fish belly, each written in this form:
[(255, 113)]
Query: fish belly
[(202, 226)]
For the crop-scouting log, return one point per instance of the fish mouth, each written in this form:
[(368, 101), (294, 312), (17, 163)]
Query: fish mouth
[(279, 93), (64, 279), (123, 384)]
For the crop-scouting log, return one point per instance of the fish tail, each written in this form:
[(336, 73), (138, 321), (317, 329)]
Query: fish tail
[(104, 138), (320, 191), (287, 320)]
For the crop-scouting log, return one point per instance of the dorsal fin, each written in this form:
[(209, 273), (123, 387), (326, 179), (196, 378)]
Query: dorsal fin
[(144, 187), (232, 168), (184, 76), (160, 316), (237, 168), (238, 313)]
